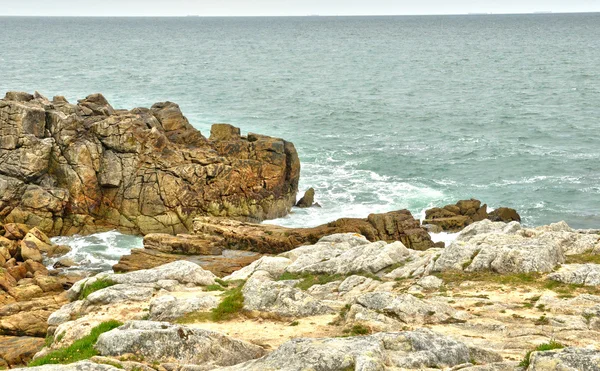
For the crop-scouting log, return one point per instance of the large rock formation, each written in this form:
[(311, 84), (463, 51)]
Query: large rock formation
[(79, 168)]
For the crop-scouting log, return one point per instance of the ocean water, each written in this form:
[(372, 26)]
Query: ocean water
[(386, 112)]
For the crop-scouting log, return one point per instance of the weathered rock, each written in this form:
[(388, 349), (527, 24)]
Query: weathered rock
[(15, 231), (163, 342), (275, 266), (568, 359), (183, 272), (169, 308), (87, 167), (578, 274), (337, 254), (404, 350), (263, 294), (120, 293), (504, 214), (180, 244), (15, 351), (308, 199), (221, 265), (454, 218), (29, 250)]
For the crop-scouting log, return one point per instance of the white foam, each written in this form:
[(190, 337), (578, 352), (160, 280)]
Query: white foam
[(97, 252), (445, 237)]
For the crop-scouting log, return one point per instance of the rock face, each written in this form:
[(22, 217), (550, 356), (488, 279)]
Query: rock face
[(85, 167), (578, 274), (18, 350), (454, 218), (404, 350), (163, 342)]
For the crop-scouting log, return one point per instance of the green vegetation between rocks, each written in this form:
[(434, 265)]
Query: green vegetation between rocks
[(231, 304), (540, 348), (80, 350), (95, 286), (530, 280), (583, 259), (357, 330)]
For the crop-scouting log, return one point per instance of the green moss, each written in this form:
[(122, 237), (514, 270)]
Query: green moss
[(79, 350), (540, 348), (295, 323), (95, 286), (221, 282), (543, 320)]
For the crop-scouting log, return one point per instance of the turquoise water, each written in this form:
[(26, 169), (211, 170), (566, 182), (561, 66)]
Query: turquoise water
[(386, 112)]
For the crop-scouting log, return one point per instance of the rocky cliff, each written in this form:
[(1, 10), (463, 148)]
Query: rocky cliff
[(80, 168)]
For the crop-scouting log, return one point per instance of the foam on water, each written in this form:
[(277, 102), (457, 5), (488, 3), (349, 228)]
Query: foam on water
[(97, 252)]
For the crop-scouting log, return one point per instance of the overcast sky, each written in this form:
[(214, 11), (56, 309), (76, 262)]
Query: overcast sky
[(285, 7)]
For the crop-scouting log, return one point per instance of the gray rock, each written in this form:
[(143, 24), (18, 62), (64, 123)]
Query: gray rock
[(405, 350), (274, 265), (120, 293), (578, 274), (168, 308), (430, 282), (263, 294), (409, 309), (568, 359), (163, 342), (350, 255), (79, 366)]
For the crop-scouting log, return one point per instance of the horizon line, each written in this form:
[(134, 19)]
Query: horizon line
[(541, 13)]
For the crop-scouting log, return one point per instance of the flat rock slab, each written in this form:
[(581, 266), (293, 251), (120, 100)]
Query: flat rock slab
[(79, 366), (568, 359), (578, 274)]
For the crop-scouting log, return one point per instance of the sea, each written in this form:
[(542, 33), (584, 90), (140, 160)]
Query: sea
[(386, 113)]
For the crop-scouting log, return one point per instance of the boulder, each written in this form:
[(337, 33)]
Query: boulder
[(281, 298), (163, 342), (307, 200), (504, 214), (566, 359), (29, 250), (578, 274), (15, 231), (416, 350), (86, 167)]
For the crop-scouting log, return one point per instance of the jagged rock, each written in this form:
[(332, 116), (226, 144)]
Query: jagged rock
[(163, 342), (64, 263), (29, 250), (454, 218), (29, 317), (263, 294), (169, 308), (308, 199), (15, 231), (404, 350), (578, 274), (78, 366), (568, 359), (430, 282), (86, 167), (120, 293)]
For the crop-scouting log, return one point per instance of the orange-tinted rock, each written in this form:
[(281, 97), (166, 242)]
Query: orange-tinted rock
[(92, 168), (454, 218), (504, 214)]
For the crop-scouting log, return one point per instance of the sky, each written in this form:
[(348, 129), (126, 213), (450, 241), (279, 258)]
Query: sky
[(285, 7)]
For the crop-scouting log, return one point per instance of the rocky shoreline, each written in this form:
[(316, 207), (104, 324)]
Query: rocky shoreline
[(213, 290)]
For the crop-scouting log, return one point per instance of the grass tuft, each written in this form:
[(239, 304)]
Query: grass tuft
[(231, 304), (357, 330), (583, 259), (540, 348), (96, 286), (78, 351), (308, 280)]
